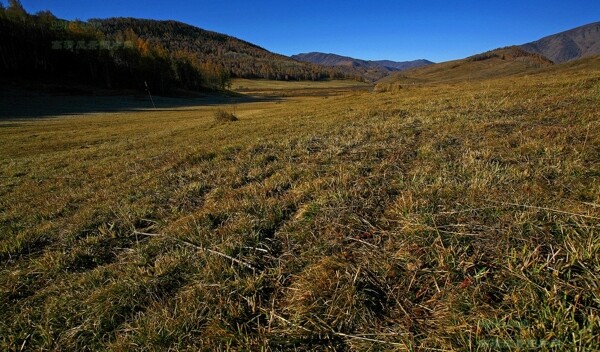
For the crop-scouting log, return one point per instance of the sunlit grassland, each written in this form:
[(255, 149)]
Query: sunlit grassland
[(263, 84), (449, 217), (298, 88)]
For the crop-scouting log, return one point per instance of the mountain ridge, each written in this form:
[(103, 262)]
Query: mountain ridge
[(572, 44), (170, 55), (330, 59), (242, 58)]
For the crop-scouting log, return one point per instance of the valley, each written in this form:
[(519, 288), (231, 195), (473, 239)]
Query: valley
[(186, 190)]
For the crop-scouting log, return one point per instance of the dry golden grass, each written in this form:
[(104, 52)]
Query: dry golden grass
[(459, 217), (493, 64), (268, 88), (224, 116), (242, 85)]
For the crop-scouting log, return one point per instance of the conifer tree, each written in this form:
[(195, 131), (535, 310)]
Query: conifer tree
[(15, 10)]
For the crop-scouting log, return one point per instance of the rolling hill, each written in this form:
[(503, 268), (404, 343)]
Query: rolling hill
[(170, 57), (569, 45), (294, 216), (492, 64), (338, 60), (402, 65), (373, 70), (241, 58)]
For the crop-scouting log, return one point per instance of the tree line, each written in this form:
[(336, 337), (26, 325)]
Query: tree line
[(240, 58), (127, 53), (44, 48)]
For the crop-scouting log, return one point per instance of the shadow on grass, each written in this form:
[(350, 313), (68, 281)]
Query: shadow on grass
[(20, 104)]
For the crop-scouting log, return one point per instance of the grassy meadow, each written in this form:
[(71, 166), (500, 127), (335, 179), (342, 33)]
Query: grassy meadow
[(268, 88), (494, 64), (462, 216), (240, 84)]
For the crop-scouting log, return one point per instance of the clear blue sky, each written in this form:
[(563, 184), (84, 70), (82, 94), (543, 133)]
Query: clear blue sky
[(395, 30)]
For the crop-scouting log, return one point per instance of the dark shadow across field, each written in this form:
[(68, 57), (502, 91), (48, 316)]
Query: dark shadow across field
[(19, 104)]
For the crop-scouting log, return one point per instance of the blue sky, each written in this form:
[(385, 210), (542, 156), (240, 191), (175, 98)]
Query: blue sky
[(395, 30)]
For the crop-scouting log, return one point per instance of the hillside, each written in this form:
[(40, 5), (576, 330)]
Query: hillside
[(346, 64), (338, 60), (455, 209), (41, 49), (569, 45), (402, 65), (374, 69), (242, 59), (171, 58), (459, 218), (492, 64)]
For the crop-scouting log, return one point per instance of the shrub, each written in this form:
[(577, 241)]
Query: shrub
[(224, 116)]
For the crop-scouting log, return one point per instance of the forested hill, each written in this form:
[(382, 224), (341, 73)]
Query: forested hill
[(125, 53), (240, 58), (41, 49), (338, 60)]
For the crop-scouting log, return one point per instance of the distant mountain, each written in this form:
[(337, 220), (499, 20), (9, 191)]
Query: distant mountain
[(569, 45), (403, 65), (492, 64), (345, 61)]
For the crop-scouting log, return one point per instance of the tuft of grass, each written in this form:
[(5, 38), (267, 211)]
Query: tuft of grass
[(224, 116)]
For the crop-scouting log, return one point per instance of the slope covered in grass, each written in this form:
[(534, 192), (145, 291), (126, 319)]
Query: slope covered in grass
[(492, 64), (443, 217)]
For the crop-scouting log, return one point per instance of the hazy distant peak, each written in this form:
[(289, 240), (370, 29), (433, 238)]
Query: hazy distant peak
[(338, 60)]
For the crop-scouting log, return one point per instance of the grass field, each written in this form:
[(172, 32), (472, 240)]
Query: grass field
[(494, 64), (297, 88), (263, 84), (444, 217)]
